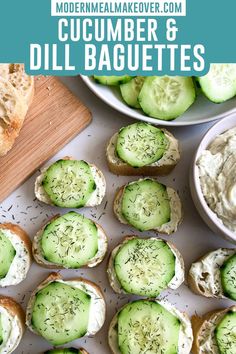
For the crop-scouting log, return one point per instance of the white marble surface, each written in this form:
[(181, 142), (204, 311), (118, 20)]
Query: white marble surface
[(193, 238)]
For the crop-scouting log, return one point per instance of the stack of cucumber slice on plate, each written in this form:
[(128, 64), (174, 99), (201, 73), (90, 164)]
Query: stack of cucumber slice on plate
[(168, 97)]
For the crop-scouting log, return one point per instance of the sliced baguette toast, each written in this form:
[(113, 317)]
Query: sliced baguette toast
[(162, 167), (200, 323), (175, 205), (38, 256), (17, 314), (23, 255)]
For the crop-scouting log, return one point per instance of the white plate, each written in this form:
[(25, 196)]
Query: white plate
[(202, 110)]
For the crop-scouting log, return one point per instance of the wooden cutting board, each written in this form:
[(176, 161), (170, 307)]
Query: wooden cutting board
[(54, 118)]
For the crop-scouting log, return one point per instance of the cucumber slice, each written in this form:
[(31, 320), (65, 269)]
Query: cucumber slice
[(228, 277), (69, 183), (7, 254), (112, 80), (145, 204), (63, 351), (60, 313), (147, 327), (219, 84), (130, 91), (167, 97), (144, 266), (225, 334), (70, 241), (141, 144)]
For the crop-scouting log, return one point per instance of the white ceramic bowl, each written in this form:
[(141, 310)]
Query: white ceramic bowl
[(201, 111), (205, 212)]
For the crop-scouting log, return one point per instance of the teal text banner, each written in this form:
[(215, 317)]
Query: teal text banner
[(55, 40)]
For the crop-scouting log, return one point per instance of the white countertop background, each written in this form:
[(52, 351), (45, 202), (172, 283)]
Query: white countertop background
[(193, 238)]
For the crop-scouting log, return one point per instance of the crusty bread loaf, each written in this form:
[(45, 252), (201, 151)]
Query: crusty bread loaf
[(16, 94), (198, 326), (24, 84), (12, 113), (161, 168)]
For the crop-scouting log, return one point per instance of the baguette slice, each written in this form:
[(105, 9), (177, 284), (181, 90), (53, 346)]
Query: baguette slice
[(175, 282), (23, 257), (16, 318), (185, 339), (204, 326), (37, 251), (12, 113), (175, 206), (204, 276), (99, 179), (24, 84), (98, 317), (160, 168)]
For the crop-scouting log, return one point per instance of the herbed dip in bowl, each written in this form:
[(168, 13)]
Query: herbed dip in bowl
[(213, 178)]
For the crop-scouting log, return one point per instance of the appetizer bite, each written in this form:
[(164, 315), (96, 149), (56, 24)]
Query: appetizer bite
[(15, 254), (64, 310), (12, 324), (213, 275), (70, 241), (148, 205), (150, 326), (142, 149), (215, 332), (145, 267), (69, 183), (66, 351)]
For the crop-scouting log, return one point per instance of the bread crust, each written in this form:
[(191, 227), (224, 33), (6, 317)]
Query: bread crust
[(17, 230), (127, 170), (83, 351), (54, 276), (55, 266), (198, 323), (14, 308), (118, 196)]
